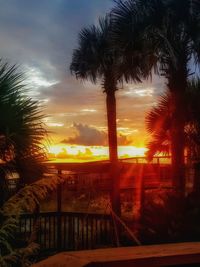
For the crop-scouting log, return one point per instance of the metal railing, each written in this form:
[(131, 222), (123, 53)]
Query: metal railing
[(67, 230)]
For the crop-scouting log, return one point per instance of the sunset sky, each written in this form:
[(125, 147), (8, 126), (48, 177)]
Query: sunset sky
[(40, 36)]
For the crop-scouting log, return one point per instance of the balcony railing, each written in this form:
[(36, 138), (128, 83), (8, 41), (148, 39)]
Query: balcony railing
[(55, 231)]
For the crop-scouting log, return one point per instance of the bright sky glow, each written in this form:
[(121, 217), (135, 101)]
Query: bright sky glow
[(54, 124), (140, 91), (36, 79), (89, 153), (88, 110)]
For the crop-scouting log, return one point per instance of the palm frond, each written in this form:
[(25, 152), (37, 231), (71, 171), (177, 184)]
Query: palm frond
[(159, 122), (159, 117), (25, 200), (166, 33), (21, 128)]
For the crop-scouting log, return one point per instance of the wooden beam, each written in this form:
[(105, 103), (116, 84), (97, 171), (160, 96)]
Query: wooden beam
[(142, 256)]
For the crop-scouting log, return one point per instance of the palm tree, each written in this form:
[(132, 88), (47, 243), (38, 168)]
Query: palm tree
[(96, 60), (22, 151), (159, 125), (170, 33), (21, 128)]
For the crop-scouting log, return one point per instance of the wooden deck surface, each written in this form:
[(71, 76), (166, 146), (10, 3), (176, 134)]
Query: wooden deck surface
[(143, 256)]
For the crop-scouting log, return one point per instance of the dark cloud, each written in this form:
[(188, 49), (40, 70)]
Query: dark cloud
[(91, 136), (87, 135), (43, 33)]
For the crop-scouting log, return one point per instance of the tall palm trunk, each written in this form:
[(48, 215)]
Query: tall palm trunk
[(112, 126), (178, 87), (112, 141), (177, 150)]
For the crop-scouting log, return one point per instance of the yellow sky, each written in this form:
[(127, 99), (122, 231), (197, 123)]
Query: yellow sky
[(69, 153)]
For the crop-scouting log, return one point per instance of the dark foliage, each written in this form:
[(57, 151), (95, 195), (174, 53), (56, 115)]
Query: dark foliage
[(21, 129), (159, 122), (168, 218)]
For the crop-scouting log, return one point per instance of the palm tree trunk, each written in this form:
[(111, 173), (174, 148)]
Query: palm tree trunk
[(177, 133), (177, 149), (113, 155)]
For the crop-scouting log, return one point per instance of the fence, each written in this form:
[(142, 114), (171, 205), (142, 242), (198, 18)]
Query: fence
[(68, 230)]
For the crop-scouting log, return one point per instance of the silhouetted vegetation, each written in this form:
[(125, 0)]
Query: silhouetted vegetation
[(16, 251), (21, 152), (169, 34), (143, 38), (22, 131), (168, 218), (159, 125), (96, 60), (137, 39)]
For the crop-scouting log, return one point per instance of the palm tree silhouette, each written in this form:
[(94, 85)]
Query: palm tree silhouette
[(95, 60), (159, 125), (170, 34), (21, 129)]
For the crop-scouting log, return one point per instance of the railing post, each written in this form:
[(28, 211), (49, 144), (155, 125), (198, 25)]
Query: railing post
[(59, 210), (36, 228), (158, 170)]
